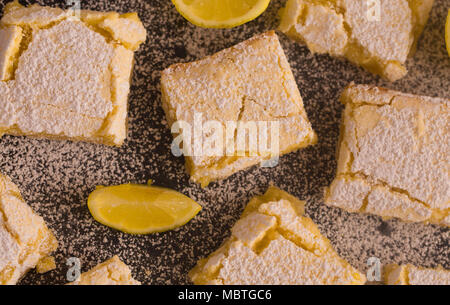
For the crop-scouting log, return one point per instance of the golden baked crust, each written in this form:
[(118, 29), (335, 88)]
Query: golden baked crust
[(274, 243), (250, 82), (351, 29), (412, 275), (25, 240), (64, 77), (110, 272), (393, 156)]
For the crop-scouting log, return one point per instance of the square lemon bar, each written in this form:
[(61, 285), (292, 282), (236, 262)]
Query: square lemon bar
[(393, 156), (65, 74), (25, 240), (275, 244), (251, 82), (412, 275), (378, 35), (110, 272)]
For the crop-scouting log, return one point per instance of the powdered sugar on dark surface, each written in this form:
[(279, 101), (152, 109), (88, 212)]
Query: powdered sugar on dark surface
[(56, 177)]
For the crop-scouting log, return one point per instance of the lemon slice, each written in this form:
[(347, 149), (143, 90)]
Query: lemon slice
[(447, 33), (220, 13), (141, 209)]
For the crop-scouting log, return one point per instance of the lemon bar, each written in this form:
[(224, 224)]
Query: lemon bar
[(250, 82), (110, 272), (412, 275), (66, 74), (378, 35), (25, 240), (393, 156), (274, 243)]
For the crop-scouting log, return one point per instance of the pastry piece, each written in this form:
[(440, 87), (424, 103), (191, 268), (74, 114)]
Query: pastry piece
[(378, 35), (394, 156), (66, 74), (250, 83), (46, 264), (411, 275), (274, 243), (25, 240), (111, 272)]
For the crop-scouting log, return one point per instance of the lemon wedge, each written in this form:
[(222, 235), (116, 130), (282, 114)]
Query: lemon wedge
[(141, 209), (220, 13), (447, 33)]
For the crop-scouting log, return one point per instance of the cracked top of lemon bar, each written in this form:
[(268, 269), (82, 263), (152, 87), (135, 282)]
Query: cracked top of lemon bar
[(274, 243), (65, 74), (250, 82), (25, 240), (411, 275), (378, 35), (394, 156), (110, 272)]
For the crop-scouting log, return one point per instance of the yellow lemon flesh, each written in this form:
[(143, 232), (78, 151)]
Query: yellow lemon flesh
[(141, 209), (447, 33), (220, 13)]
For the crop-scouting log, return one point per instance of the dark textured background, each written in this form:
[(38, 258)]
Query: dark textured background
[(56, 177)]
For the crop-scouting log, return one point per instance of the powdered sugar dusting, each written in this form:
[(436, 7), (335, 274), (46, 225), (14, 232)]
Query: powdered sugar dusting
[(24, 237), (401, 146), (419, 276), (249, 82), (56, 177), (73, 68), (390, 37), (377, 35)]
